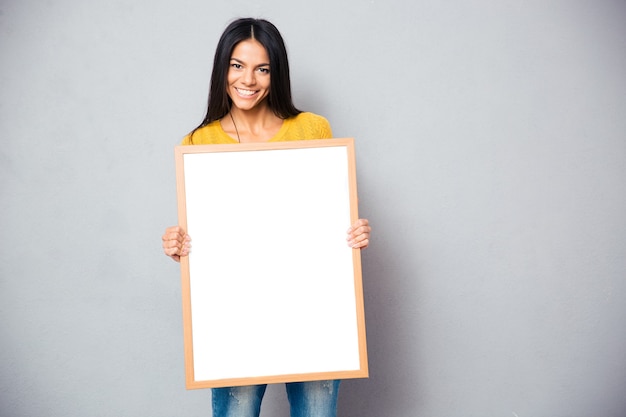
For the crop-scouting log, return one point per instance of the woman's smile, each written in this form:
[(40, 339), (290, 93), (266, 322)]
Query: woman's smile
[(245, 93)]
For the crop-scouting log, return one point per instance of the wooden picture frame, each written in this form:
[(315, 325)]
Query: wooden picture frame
[(271, 291)]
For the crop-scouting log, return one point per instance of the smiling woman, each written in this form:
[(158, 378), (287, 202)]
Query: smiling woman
[(250, 93), (250, 101)]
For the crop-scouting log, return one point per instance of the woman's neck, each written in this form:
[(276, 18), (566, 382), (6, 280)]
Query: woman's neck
[(256, 125)]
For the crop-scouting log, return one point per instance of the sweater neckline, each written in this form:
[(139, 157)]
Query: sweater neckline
[(276, 138)]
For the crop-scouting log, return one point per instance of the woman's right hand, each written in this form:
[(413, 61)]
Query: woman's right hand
[(176, 242)]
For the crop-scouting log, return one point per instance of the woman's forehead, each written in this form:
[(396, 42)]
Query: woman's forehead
[(250, 50)]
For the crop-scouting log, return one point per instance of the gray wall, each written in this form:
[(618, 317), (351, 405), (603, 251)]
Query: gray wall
[(491, 142)]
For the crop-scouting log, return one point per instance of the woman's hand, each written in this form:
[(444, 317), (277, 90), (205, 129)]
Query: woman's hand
[(176, 243), (359, 234)]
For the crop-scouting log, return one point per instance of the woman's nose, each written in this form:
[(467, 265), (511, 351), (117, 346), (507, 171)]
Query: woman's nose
[(248, 77)]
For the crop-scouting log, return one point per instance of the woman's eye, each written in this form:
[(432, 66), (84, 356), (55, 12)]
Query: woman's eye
[(236, 66), (264, 70)]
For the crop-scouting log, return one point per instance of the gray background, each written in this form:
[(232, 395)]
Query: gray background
[(491, 150)]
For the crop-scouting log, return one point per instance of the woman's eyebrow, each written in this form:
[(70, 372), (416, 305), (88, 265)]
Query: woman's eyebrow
[(239, 61)]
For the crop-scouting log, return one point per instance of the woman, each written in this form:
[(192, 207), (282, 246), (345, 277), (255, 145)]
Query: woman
[(250, 101)]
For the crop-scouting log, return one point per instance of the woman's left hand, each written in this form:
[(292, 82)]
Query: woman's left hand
[(359, 234)]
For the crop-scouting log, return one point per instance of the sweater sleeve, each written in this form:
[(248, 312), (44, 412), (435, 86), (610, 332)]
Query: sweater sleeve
[(325, 130), (186, 140)]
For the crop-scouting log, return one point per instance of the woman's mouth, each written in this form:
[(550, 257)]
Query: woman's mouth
[(245, 93)]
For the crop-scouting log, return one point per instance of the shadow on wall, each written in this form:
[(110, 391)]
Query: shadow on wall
[(391, 280)]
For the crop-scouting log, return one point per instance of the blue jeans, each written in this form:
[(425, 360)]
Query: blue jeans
[(306, 399)]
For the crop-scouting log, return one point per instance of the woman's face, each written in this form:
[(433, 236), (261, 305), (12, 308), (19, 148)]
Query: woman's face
[(248, 75)]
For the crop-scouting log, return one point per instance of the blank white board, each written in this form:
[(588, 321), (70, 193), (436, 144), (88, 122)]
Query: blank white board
[(271, 291)]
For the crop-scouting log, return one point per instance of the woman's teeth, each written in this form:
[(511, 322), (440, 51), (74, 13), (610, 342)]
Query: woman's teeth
[(245, 92)]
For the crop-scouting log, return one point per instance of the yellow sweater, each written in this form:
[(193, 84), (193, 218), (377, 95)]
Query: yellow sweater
[(304, 126)]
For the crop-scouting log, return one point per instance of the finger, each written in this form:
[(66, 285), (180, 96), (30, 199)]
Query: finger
[(172, 250), (358, 240), (359, 234), (362, 244), (360, 230), (175, 243), (184, 249), (175, 237), (174, 247), (361, 222), (357, 224), (174, 231)]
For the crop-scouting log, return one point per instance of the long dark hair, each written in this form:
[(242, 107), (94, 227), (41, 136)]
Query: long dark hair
[(279, 98)]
